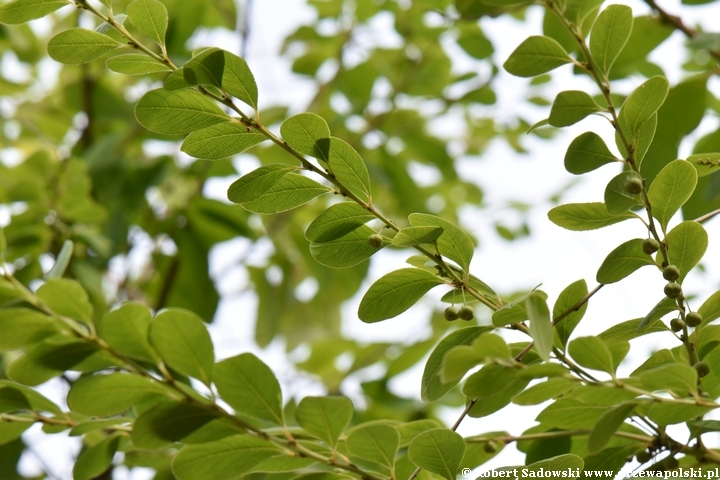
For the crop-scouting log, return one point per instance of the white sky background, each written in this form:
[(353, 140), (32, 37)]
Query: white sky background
[(551, 256)]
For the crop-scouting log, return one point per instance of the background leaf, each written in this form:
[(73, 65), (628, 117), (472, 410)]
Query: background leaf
[(439, 451)]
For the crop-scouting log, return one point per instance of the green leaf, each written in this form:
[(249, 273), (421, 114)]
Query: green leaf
[(253, 185), (10, 431), (585, 216), (378, 443), (587, 153), (572, 294), (395, 292), (570, 413), (460, 359), (643, 103), (677, 377), (617, 200), (184, 343), (239, 81), (438, 451), (541, 327), (177, 112), (36, 400), (609, 35), (592, 352), (705, 163), (552, 388), (672, 187), (337, 221), (304, 133), (625, 331), (570, 107), (414, 236), (623, 261), (432, 386), (105, 395), (710, 309), (67, 298), (669, 414), (687, 243), (453, 243), (250, 387), (230, 457), (21, 11), (324, 417), (290, 191), (176, 80), (150, 17), (135, 64), (80, 45), (536, 55), (346, 251), (348, 166), (62, 260), (12, 400), (495, 386), (608, 424), (95, 460), (88, 426), (220, 141), (22, 326), (126, 330), (663, 307), (410, 430), (205, 68), (642, 140), (514, 311)]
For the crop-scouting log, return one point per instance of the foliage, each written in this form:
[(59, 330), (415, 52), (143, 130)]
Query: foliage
[(149, 385)]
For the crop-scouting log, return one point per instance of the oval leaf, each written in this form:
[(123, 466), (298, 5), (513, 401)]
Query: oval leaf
[(346, 251), (536, 55), (251, 186), (220, 141), (617, 200), (347, 165), (438, 451), (22, 11), (80, 45), (585, 216), (338, 220), (570, 107), (687, 243), (672, 187), (414, 236), (592, 352), (324, 417), (541, 327), (305, 133), (126, 329), (609, 35), (453, 242), (587, 153), (150, 17), (378, 443), (177, 112), (607, 425), (290, 191), (67, 298), (623, 261), (643, 103), (135, 64), (22, 326)]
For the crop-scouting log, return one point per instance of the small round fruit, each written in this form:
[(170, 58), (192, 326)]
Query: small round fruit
[(671, 273), (673, 290), (702, 368), (644, 456), (467, 312), (671, 463), (375, 240), (693, 319), (490, 447), (633, 185), (650, 246), (451, 313), (676, 324)]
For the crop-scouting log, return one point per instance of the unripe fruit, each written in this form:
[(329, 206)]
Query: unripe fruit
[(650, 246), (693, 319), (644, 456), (671, 463), (671, 273), (676, 324), (633, 185), (467, 312), (451, 313), (375, 240), (673, 290), (702, 369), (490, 447)]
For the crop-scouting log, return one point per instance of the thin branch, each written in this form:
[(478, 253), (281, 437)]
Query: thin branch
[(577, 305), (677, 23), (707, 216)]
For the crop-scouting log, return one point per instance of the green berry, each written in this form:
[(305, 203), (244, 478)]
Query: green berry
[(451, 313), (650, 246), (676, 324), (375, 240), (633, 185), (673, 290), (671, 273), (643, 457), (702, 369), (467, 312), (490, 447), (671, 463), (693, 319)]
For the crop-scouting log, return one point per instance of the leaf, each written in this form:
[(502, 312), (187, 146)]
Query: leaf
[(541, 327), (250, 387), (177, 112), (592, 352), (80, 45), (88, 426), (460, 360), (176, 80), (495, 386), (220, 141), (617, 199), (414, 236), (395, 292), (644, 137), (438, 451), (687, 243), (536, 55), (514, 311), (21, 11), (230, 457), (304, 133), (664, 306), (337, 221), (628, 330), (669, 414), (253, 185), (10, 431), (677, 377), (205, 68), (643, 103), (324, 417), (541, 392), (184, 343), (378, 443), (224, 70), (62, 260), (346, 251), (239, 81), (705, 163), (609, 35), (290, 191), (66, 297), (126, 330), (410, 430), (587, 153), (135, 64), (672, 187), (710, 309), (623, 261), (572, 294), (95, 460), (348, 166), (22, 326), (36, 400), (150, 17), (585, 216), (105, 395), (608, 424), (453, 243), (570, 107)]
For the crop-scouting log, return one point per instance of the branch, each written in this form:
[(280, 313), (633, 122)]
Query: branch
[(677, 23), (707, 216)]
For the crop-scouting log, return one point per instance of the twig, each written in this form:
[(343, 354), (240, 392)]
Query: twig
[(707, 216), (677, 23)]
